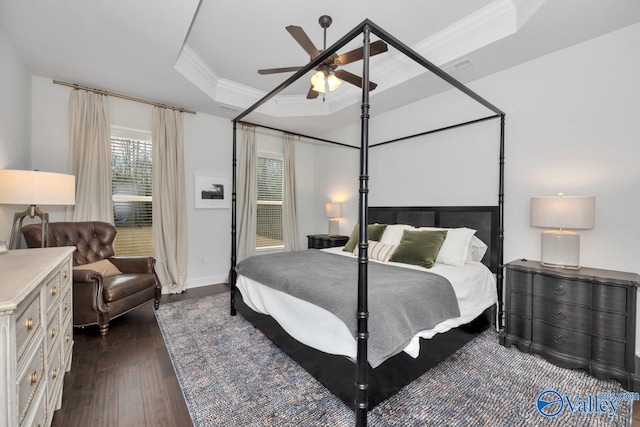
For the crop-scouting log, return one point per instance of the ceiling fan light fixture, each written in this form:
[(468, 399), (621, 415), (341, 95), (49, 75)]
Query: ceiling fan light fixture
[(333, 82), (318, 82)]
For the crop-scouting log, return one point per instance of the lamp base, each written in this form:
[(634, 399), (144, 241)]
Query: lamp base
[(560, 249), (16, 231), (334, 226)]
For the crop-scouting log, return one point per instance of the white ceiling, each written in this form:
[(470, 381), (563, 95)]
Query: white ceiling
[(204, 55)]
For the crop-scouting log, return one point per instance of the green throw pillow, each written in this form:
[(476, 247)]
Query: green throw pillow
[(374, 232), (419, 247)]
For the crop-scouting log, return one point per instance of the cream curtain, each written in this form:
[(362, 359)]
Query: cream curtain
[(169, 200), (289, 216), (247, 194), (90, 156)]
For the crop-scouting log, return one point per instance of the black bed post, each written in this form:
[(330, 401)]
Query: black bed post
[(500, 271), (232, 272), (362, 380)]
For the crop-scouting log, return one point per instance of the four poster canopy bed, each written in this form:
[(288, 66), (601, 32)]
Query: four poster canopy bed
[(411, 287)]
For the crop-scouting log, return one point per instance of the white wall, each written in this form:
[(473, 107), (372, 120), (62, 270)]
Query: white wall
[(208, 144), (572, 127), (15, 117)]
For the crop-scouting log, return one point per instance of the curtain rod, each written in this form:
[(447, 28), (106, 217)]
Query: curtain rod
[(117, 95)]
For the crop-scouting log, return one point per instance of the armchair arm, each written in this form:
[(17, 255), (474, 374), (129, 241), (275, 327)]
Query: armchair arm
[(140, 264), (87, 286)]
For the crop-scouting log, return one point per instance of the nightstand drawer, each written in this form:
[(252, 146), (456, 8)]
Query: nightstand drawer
[(520, 304), (563, 340), (520, 326), (519, 281), (322, 241), (568, 291), (30, 381), (608, 351), (610, 298), (562, 315), (610, 325)]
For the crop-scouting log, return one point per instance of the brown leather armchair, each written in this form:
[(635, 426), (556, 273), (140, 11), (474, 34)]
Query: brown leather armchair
[(98, 299)]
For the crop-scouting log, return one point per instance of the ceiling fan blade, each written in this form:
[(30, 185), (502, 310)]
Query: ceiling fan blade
[(353, 79), (375, 48), (303, 40), (312, 94), (278, 70)]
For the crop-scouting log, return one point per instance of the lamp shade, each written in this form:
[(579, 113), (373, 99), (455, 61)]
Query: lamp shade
[(572, 212), (24, 187), (333, 210)]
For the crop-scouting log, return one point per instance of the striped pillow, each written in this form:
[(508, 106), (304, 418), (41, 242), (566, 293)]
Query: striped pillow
[(378, 251)]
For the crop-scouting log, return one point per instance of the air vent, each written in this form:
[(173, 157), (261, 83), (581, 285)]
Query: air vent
[(463, 63)]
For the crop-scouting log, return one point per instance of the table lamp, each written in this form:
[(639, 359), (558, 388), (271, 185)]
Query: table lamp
[(24, 187), (333, 211), (560, 246)]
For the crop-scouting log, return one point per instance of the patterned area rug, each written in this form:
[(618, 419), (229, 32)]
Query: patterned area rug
[(231, 375)]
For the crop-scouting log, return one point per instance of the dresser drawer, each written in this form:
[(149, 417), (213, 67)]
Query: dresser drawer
[(53, 290), (55, 372), (29, 382), (567, 291), (562, 340), (40, 417), (65, 306), (53, 330), (27, 323), (562, 315)]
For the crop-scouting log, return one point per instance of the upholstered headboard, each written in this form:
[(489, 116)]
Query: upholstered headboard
[(484, 219)]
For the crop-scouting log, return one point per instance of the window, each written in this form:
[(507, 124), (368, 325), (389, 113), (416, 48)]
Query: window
[(131, 168), (269, 209)]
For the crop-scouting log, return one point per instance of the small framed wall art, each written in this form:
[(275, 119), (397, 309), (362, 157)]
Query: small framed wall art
[(211, 192)]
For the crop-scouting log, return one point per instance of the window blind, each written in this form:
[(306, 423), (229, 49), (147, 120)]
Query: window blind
[(269, 231), (131, 167)]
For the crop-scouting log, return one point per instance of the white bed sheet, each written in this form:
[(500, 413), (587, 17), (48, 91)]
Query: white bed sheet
[(473, 284)]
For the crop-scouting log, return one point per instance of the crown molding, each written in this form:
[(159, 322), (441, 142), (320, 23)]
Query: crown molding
[(493, 22)]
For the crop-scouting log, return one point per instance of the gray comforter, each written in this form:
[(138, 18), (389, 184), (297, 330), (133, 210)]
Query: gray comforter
[(402, 301)]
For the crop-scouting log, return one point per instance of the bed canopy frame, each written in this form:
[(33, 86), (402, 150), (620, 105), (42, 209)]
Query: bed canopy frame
[(366, 28)]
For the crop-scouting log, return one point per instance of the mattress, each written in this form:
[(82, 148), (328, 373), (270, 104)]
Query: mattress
[(473, 284)]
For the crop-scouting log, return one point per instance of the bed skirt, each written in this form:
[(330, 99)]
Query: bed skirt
[(337, 373)]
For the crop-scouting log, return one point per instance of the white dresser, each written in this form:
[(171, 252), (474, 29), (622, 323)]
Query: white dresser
[(36, 334)]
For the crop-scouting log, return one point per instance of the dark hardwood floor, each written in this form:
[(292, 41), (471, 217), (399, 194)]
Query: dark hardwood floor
[(125, 379)]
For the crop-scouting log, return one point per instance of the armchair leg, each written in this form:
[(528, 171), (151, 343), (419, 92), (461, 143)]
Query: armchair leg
[(104, 329), (156, 300)]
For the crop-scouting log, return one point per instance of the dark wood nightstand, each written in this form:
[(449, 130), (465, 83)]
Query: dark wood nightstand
[(321, 241), (584, 318)]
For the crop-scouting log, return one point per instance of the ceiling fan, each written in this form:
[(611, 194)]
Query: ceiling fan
[(328, 77)]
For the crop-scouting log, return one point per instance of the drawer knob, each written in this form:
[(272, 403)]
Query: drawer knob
[(54, 291), (67, 337), (66, 306), (33, 377), (53, 332), (558, 339), (65, 274), (54, 373), (29, 323), (559, 315), (559, 290)]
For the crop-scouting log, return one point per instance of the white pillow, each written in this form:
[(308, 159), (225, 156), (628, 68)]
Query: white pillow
[(393, 233), (455, 248), (477, 249), (378, 251)]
